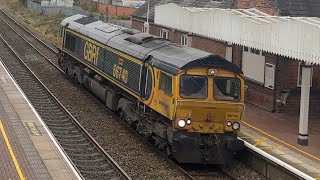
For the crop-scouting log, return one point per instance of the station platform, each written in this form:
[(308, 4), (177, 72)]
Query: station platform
[(28, 150), (277, 135)]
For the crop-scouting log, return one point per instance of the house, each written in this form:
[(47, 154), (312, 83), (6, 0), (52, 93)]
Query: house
[(279, 91)]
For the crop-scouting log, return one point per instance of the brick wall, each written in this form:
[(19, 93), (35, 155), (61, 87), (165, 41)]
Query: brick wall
[(287, 80), (209, 45), (316, 78), (136, 24), (256, 94), (115, 10), (293, 104), (237, 55), (267, 6)]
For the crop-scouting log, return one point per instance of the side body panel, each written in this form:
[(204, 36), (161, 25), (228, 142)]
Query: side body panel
[(122, 70)]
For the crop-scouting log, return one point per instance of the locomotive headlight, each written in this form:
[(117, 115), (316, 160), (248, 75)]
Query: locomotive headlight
[(188, 121), (181, 123), (229, 123), (235, 125)]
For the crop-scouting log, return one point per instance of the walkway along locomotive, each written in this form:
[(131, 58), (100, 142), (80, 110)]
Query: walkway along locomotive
[(188, 102)]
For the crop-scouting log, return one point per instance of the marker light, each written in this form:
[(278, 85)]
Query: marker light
[(235, 126), (211, 72), (188, 121), (181, 123), (229, 123)]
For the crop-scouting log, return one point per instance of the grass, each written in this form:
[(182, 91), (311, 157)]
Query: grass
[(46, 25)]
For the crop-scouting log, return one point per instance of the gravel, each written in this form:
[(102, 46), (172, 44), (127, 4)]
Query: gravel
[(136, 158)]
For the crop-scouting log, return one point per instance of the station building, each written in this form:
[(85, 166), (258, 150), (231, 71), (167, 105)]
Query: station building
[(273, 73)]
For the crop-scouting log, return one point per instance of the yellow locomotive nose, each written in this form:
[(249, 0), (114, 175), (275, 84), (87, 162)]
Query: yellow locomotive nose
[(207, 117)]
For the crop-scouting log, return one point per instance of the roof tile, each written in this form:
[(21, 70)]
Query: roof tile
[(309, 8)]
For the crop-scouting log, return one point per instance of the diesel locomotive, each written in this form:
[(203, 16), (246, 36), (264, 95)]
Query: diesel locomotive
[(188, 102)]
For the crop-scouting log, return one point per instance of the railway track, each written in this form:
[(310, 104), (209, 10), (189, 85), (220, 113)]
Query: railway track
[(207, 172), (86, 154), (26, 44), (49, 53)]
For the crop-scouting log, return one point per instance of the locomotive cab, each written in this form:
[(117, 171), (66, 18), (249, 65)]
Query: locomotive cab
[(209, 101), (209, 109)]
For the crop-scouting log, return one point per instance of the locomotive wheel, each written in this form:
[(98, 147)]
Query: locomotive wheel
[(124, 117), (75, 78), (63, 64)]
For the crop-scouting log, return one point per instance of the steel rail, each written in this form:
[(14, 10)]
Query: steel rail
[(189, 176), (108, 110), (89, 137), (29, 32)]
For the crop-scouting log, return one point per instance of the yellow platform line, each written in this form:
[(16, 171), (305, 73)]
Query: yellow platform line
[(13, 157), (293, 147)]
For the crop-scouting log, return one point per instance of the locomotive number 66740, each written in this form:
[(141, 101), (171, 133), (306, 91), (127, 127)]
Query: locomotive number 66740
[(188, 102)]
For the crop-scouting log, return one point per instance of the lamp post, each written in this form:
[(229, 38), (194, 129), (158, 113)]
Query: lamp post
[(146, 24)]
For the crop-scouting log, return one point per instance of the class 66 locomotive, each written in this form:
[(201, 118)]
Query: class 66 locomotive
[(187, 102)]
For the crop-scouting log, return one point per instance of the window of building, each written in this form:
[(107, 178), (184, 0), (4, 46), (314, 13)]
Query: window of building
[(254, 51), (164, 34), (184, 40), (299, 82), (256, 69), (269, 75), (165, 83), (253, 66)]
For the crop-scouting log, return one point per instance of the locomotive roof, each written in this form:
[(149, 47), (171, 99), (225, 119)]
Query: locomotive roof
[(166, 56)]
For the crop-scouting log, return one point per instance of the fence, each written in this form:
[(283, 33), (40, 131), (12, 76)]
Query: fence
[(55, 10)]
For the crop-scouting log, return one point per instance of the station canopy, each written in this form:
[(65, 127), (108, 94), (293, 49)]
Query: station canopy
[(292, 37)]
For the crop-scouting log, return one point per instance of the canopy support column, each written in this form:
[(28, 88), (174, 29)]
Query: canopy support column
[(304, 104)]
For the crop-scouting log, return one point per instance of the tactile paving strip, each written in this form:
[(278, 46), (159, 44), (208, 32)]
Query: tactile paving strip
[(29, 159)]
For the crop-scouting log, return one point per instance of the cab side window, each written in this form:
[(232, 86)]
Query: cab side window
[(70, 42), (148, 84), (165, 83)]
